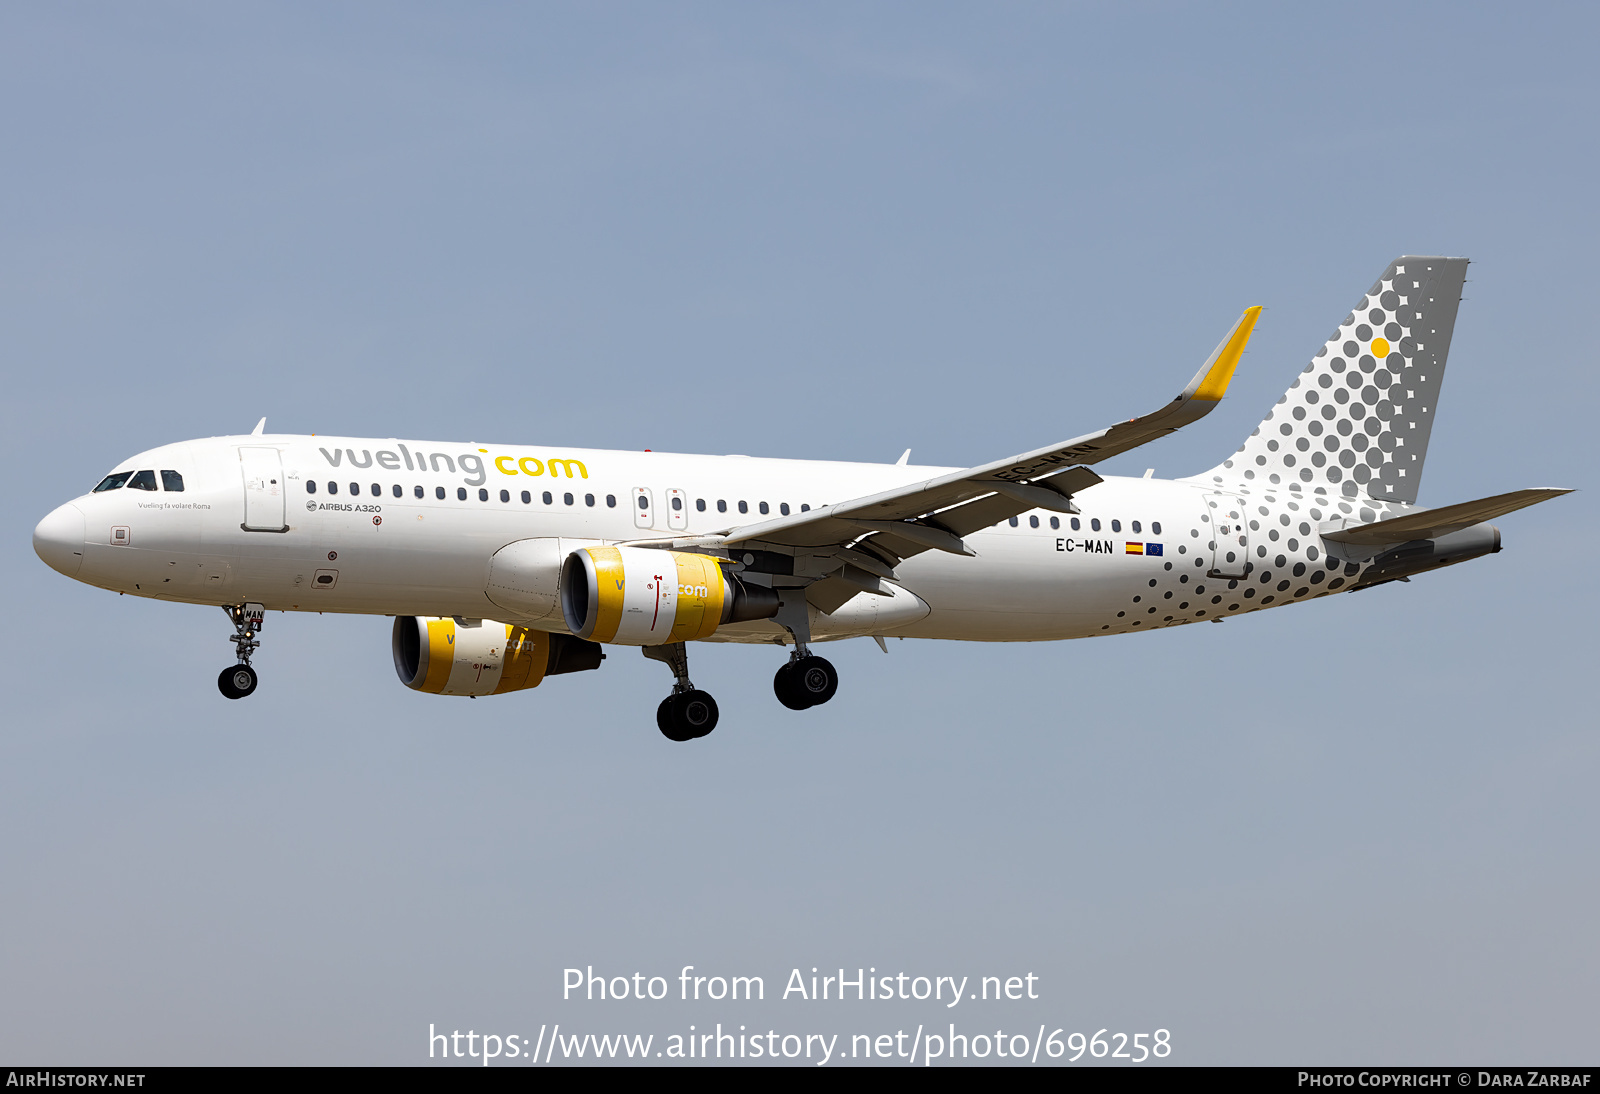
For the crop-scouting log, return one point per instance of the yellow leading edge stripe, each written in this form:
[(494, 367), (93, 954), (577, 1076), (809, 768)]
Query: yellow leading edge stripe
[(1226, 358)]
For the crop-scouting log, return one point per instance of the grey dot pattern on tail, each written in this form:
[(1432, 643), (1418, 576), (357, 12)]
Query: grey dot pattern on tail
[(1356, 421), (1288, 561)]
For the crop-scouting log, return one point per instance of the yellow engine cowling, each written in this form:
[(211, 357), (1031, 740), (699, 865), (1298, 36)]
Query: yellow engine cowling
[(482, 657), (637, 596)]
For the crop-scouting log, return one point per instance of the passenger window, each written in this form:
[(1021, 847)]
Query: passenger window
[(743, 508), (1033, 522), (1136, 526), (1116, 526), (1155, 526), (505, 496), (1012, 522), (417, 491), (113, 482), (677, 503), (567, 498), (377, 491), (588, 499), (171, 480), (644, 502), (805, 508), (763, 508), (483, 495), (547, 499), (1055, 522), (398, 491), (722, 506), (611, 501), (1094, 523), (784, 508), (1076, 526), (438, 492), (527, 498), (355, 490), (461, 493), (700, 505), (311, 486), (143, 480), (333, 488)]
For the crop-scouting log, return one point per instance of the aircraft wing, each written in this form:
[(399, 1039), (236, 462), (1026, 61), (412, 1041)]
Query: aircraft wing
[(937, 513)]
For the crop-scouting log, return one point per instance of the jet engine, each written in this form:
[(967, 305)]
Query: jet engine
[(482, 657), (637, 596)]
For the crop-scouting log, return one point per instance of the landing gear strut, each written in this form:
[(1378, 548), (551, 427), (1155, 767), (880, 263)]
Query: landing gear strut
[(240, 680), (806, 680), (687, 713)]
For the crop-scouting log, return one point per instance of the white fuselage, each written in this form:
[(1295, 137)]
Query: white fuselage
[(389, 527)]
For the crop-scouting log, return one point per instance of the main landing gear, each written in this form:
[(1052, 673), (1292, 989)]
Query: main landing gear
[(688, 712), (806, 680), (240, 680)]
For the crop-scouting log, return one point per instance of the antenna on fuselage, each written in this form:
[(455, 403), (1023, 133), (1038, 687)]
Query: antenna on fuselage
[(904, 456), (261, 427)]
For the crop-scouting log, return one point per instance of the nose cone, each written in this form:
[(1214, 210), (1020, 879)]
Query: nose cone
[(59, 539)]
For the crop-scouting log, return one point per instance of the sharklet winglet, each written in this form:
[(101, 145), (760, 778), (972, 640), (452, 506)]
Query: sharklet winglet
[(1210, 384)]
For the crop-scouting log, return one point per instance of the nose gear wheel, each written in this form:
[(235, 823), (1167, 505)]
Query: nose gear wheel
[(237, 682)]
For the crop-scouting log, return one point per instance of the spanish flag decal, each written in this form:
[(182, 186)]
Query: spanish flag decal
[(1134, 548)]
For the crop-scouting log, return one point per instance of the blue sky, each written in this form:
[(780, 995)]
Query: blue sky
[(1360, 831)]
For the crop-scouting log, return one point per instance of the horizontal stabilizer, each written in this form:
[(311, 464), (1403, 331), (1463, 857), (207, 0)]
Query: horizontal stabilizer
[(1434, 523)]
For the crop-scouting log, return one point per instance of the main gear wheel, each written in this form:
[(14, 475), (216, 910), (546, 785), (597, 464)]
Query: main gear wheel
[(686, 715), (805, 682)]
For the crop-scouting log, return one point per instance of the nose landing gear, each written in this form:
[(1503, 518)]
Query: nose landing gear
[(240, 680), (688, 713)]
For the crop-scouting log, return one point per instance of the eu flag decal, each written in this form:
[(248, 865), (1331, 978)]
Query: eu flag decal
[(1134, 548), (1152, 548)]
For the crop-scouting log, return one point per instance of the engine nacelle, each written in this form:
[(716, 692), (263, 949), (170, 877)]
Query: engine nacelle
[(483, 657), (637, 596)]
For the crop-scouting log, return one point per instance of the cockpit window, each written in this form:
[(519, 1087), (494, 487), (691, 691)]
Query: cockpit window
[(171, 480), (113, 482), (143, 480)]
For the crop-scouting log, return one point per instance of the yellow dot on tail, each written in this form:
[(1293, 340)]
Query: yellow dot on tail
[(1380, 347)]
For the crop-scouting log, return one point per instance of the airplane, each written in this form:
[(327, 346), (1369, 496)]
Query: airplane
[(502, 565)]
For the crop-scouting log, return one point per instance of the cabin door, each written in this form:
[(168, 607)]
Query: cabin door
[(263, 490)]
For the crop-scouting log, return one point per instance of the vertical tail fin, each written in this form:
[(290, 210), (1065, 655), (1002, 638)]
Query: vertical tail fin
[(1357, 419)]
